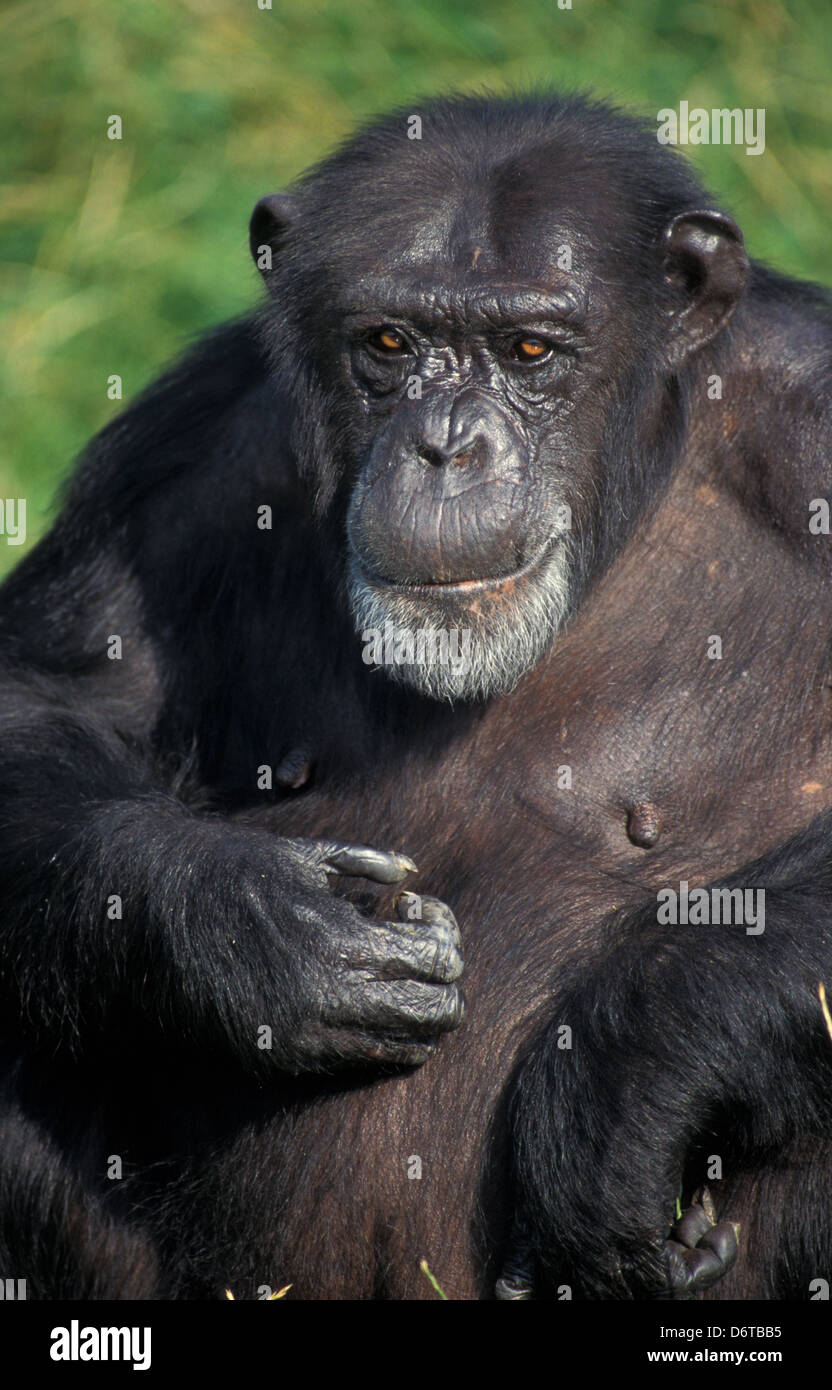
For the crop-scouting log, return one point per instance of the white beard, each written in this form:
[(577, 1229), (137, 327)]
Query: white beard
[(501, 636)]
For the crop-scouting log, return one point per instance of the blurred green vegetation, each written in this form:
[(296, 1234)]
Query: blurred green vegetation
[(116, 252)]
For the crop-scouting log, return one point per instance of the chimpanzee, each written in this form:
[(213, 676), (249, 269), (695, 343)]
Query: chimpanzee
[(495, 543)]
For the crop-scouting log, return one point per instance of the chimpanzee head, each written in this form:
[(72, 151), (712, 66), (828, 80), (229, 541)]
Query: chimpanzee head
[(484, 312)]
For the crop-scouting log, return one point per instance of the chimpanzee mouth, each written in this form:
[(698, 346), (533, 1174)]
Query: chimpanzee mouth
[(461, 587)]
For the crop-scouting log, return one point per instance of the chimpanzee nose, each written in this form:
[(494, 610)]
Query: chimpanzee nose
[(461, 452), (447, 494)]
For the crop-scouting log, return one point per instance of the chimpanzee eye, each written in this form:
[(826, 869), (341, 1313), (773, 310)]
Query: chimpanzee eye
[(388, 340), (531, 349)]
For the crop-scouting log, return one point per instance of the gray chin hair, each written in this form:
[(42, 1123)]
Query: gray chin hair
[(471, 655)]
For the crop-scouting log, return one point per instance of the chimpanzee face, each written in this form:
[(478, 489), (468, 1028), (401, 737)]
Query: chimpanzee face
[(460, 516), (500, 354)]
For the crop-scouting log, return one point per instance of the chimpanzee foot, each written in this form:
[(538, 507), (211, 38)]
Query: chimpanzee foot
[(700, 1250), (698, 1253)]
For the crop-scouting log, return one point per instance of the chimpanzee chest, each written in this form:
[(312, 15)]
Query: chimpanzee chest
[(585, 805)]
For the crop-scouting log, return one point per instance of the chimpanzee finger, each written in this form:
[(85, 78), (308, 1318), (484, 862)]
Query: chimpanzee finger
[(723, 1240), (338, 857), (691, 1271), (398, 951), (413, 907), (412, 1009), (691, 1227)]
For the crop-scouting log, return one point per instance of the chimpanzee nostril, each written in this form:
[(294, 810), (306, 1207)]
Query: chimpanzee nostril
[(428, 454), (439, 458)]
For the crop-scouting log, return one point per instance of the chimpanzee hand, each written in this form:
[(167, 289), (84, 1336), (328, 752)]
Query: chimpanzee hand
[(699, 1251), (333, 987)]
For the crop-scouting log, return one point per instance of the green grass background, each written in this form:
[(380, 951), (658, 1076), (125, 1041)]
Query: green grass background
[(115, 253)]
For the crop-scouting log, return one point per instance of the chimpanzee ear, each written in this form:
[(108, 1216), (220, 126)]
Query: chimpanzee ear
[(270, 219), (705, 261)]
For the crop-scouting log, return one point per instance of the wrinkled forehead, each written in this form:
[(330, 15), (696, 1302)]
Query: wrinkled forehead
[(550, 230), (432, 296), (460, 267)]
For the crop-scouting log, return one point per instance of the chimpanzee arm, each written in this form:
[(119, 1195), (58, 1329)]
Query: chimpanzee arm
[(678, 1031), (126, 914)]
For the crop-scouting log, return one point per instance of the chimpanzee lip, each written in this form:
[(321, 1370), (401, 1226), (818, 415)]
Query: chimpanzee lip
[(462, 586)]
